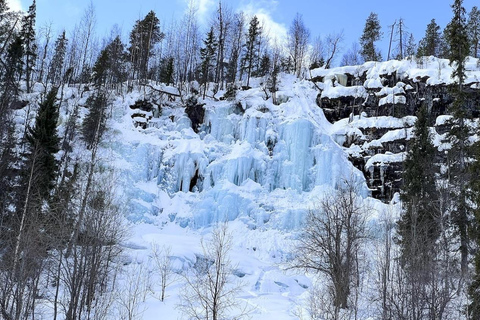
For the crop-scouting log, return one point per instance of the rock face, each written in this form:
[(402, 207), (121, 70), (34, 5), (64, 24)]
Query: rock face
[(374, 111)]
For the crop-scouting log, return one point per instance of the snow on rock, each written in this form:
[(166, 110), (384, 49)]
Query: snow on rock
[(383, 159), (434, 70)]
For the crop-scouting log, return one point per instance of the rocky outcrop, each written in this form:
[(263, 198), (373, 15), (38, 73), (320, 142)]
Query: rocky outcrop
[(374, 112)]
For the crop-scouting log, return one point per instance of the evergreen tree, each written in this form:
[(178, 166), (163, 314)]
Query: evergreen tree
[(457, 39), (29, 42), (371, 34), (430, 43), (5, 24), (459, 135), (410, 49), (13, 70), (474, 31), (167, 70), (265, 65), (100, 69), (94, 124), (42, 145), (145, 34), (110, 65), (474, 289), (55, 69), (207, 56), (251, 46), (418, 227), (8, 172)]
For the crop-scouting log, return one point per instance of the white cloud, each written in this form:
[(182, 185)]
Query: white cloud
[(264, 10), (203, 8), (14, 5)]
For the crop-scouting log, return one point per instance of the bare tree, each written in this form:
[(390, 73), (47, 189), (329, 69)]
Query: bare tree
[(235, 44), (87, 32), (163, 266), (332, 48), (88, 269), (210, 293), (222, 23), (331, 242), (352, 57), (298, 38), (44, 52), (133, 292), (317, 53)]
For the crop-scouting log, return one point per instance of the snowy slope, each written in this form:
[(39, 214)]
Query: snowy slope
[(261, 167), (258, 166)]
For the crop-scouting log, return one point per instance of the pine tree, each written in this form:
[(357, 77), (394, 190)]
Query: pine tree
[(55, 70), (430, 43), (207, 56), (145, 34), (474, 31), (29, 42), (371, 34), (251, 53)]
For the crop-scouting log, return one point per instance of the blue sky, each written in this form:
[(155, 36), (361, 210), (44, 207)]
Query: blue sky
[(320, 16)]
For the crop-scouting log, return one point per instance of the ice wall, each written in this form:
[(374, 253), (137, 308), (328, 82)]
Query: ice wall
[(252, 160)]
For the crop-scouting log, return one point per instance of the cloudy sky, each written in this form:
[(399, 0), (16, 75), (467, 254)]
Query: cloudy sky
[(322, 17)]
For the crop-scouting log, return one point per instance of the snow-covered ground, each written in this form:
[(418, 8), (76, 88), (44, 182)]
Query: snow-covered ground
[(260, 168), (257, 166)]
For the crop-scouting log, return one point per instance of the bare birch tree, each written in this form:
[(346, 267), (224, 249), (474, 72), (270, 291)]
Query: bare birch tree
[(210, 293)]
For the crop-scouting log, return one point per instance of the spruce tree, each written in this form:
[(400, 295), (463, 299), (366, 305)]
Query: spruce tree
[(459, 135), (110, 65), (55, 70), (94, 124), (13, 71), (456, 36), (29, 42), (251, 52), (100, 69), (418, 227), (431, 42), (410, 49), (5, 24), (207, 56), (265, 65), (371, 34), (42, 145), (167, 70), (474, 31), (474, 288)]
